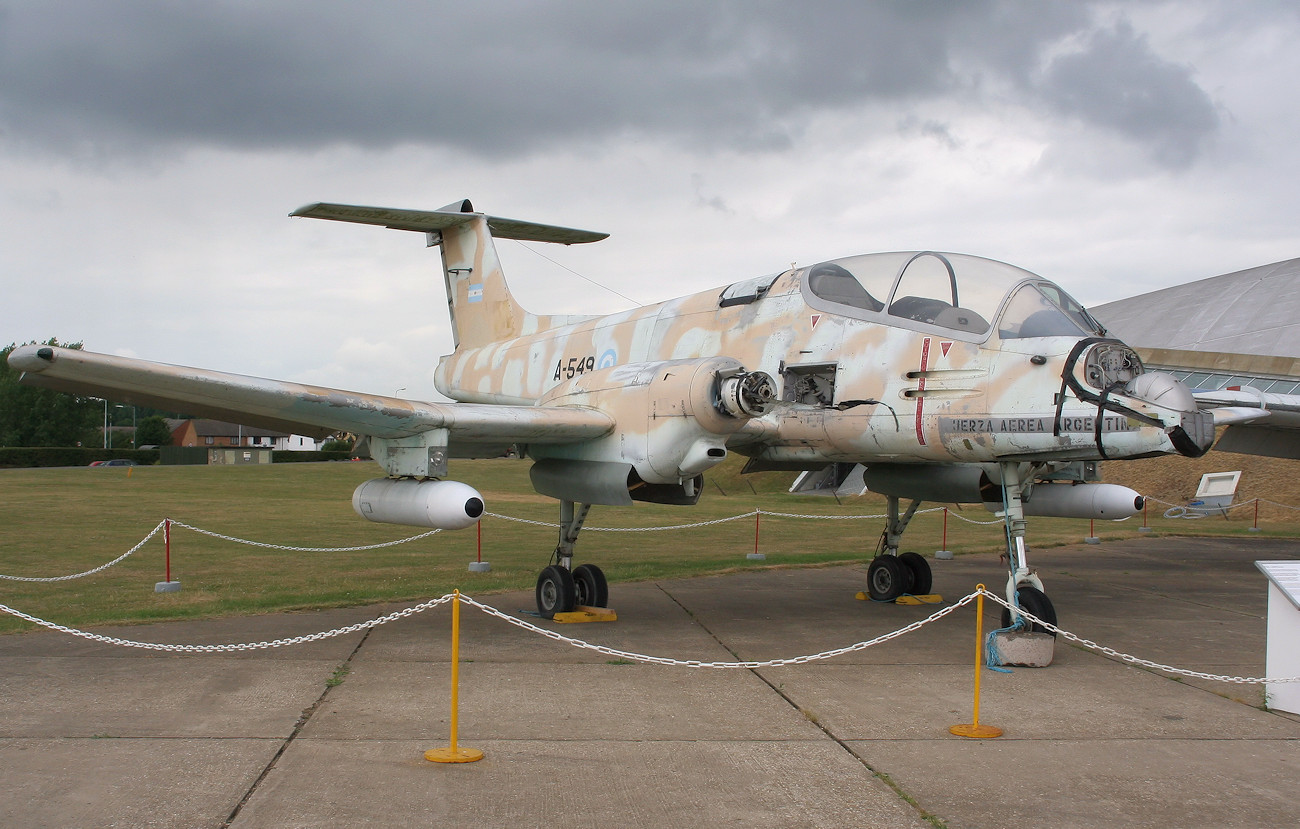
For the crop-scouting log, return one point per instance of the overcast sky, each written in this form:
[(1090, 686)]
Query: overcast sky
[(151, 151)]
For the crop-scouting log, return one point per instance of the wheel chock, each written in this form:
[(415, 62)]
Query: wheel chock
[(928, 598), (582, 613)]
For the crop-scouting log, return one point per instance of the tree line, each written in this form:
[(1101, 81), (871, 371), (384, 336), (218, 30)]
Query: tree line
[(32, 416)]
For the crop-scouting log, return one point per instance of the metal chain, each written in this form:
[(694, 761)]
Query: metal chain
[(1124, 657), (241, 646), (636, 657), (693, 663), (591, 529), (98, 569), (973, 521), (263, 544), (749, 514)]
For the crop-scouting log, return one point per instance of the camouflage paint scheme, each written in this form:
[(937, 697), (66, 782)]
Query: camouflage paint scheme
[(899, 390), (947, 376)]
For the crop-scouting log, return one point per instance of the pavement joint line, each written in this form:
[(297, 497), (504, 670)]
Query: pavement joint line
[(884, 778), (303, 719)]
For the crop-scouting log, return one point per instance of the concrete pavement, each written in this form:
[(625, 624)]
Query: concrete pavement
[(92, 735)]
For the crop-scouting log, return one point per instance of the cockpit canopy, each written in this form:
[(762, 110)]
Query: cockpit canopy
[(950, 291)]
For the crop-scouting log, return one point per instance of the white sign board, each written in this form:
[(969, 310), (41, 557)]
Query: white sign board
[(1282, 657)]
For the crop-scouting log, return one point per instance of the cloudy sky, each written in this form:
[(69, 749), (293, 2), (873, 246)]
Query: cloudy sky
[(151, 151)]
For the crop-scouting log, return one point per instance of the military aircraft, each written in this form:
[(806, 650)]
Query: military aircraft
[(952, 378)]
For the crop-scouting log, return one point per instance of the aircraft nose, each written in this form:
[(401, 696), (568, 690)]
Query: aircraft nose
[(1193, 435)]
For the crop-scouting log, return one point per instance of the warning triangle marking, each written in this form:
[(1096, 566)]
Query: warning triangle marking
[(944, 347), (816, 318)]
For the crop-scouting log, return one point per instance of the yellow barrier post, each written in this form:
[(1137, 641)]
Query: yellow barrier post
[(454, 753), (974, 729)]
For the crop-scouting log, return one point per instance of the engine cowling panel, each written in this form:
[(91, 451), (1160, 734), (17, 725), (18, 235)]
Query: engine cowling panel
[(673, 417)]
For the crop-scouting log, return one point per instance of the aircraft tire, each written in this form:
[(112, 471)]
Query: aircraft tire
[(556, 592), (888, 578), (922, 578), (593, 590), (1036, 602)]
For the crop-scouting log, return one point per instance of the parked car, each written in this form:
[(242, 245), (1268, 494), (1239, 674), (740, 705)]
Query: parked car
[(114, 462)]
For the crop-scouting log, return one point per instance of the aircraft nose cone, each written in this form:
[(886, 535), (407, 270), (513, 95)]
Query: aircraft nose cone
[(1162, 390), (1194, 434)]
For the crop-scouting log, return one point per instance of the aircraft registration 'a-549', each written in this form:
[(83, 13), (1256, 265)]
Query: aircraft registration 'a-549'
[(951, 378)]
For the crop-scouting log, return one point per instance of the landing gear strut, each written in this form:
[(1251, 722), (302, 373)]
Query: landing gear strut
[(891, 574), (561, 587), (1024, 588)]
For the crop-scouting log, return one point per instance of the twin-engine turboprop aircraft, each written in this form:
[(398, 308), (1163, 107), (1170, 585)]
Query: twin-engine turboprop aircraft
[(952, 378)]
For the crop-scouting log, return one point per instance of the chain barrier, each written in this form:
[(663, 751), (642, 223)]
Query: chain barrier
[(973, 521), (267, 546), (239, 646), (590, 529), (630, 655), (1134, 660), (1175, 511), (98, 569), (750, 514), (694, 663)]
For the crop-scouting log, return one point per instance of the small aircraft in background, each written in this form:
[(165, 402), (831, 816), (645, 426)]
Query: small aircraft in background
[(951, 378)]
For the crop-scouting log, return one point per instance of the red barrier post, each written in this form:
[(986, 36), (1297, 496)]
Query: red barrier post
[(167, 586)]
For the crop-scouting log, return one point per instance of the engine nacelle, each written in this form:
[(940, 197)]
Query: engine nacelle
[(443, 505), (673, 417)]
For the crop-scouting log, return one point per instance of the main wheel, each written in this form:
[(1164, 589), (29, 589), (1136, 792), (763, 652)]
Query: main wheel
[(888, 578), (1034, 601), (556, 592), (922, 578), (593, 590)]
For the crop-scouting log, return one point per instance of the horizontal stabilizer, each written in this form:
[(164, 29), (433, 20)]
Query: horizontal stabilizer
[(430, 221)]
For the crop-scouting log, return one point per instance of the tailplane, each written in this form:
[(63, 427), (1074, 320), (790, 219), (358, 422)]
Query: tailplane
[(482, 309)]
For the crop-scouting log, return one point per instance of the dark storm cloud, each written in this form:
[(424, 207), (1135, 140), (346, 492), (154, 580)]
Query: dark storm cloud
[(1117, 82), (507, 78)]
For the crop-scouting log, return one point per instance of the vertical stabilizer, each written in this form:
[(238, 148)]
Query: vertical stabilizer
[(482, 309)]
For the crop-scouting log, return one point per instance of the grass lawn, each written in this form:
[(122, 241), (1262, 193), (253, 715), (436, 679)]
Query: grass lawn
[(61, 521)]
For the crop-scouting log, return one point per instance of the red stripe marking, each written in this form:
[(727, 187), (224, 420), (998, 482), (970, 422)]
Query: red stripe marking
[(920, 387)]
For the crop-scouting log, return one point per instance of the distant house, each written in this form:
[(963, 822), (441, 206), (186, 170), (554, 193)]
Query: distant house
[(204, 433)]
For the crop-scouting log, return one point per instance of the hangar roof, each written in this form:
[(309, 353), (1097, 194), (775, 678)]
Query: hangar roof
[(1254, 312)]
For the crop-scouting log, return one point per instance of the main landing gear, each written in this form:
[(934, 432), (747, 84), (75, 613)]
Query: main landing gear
[(892, 574), (562, 587)]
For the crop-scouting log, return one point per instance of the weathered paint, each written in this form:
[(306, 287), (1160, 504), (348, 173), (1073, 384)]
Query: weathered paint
[(889, 368)]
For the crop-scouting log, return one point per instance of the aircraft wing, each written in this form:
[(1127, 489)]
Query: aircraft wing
[(297, 408)]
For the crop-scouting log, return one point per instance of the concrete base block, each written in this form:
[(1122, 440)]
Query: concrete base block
[(1146, 529), (943, 555), (1025, 650), (167, 587), (480, 567), (755, 556), (1092, 539)]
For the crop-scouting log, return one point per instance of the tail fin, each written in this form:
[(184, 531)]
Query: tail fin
[(482, 309)]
